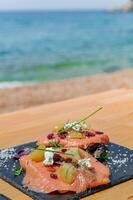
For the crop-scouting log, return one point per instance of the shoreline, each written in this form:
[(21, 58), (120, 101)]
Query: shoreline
[(13, 84), (28, 95)]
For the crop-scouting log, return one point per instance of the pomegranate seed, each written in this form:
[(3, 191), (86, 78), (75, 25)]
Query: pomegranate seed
[(50, 136), (57, 164), (99, 132), (54, 176), (68, 160), (63, 136), (50, 169), (57, 158), (63, 150), (88, 134)]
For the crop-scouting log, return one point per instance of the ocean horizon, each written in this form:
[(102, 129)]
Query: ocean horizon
[(40, 46)]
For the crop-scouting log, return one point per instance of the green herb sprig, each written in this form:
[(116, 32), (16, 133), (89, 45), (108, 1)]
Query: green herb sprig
[(55, 145), (53, 151), (18, 172), (78, 122), (102, 157)]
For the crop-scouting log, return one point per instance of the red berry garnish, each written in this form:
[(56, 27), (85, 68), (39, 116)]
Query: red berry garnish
[(51, 169), (54, 176), (63, 150), (99, 132), (57, 164), (50, 136), (68, 160), (88, 133), (63, 136), (57, 158)]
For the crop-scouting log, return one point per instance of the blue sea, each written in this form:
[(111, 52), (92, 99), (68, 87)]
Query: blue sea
[(42, 46)]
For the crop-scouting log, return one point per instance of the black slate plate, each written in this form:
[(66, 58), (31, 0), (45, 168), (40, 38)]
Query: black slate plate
[(3, 197), (120, 163)]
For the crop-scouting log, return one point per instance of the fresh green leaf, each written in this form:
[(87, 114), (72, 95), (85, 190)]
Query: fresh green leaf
[(102, 157), (55, 144), (19, 171)]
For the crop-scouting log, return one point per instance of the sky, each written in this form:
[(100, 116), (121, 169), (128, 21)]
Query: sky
[(59, 4)]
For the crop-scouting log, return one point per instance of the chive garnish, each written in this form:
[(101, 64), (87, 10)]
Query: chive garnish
[(53, 151), (78, 122)]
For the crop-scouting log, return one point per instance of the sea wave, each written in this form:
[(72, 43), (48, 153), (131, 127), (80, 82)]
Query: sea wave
[(45, 46), (4, 85)]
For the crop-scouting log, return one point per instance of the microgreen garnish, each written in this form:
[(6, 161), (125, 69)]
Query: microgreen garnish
[(50, 150), (55, 144), (102, 157), (18, 172), (53, 151), (79, 122)]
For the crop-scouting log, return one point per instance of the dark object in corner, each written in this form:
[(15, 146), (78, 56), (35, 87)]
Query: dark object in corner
[(3, 197)]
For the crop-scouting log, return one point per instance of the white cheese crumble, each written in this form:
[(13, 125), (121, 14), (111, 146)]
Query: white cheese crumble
[(48, 157), (85, 163), (75, 127)]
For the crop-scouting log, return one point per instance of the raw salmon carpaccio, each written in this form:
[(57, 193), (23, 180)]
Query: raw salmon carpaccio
[(38, 176), (95, 137)]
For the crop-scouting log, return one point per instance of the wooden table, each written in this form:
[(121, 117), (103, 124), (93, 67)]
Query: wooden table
[(116, 119)]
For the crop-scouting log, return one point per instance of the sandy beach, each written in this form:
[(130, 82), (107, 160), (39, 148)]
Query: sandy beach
[(20, 97)]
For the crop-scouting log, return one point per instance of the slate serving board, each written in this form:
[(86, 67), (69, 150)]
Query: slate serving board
[(3, 197), (120, 162)]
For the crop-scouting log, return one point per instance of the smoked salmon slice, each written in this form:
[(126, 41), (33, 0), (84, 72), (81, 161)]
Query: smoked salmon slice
[(74, 134), (84, 139), (60, 162), (47, 179)]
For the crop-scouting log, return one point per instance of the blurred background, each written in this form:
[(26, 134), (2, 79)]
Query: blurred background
[(54, 50)]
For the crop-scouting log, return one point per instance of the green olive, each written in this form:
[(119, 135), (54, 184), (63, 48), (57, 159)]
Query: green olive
[(68, 173), (37, 155)]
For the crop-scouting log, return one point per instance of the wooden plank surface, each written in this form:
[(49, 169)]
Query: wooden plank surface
[(116, 119)]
